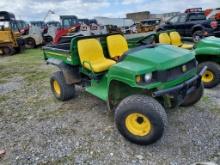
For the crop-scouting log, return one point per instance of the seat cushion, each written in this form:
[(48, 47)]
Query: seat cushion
[(100, 65), (187, 46), (164, 38), (117, 45)]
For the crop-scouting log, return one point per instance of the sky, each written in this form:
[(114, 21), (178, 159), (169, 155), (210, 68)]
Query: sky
[(37, 9)]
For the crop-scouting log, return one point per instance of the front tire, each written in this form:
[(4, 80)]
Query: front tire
[(60, 89), (211, 77), (7, 50), (194, 97), (140, 119)]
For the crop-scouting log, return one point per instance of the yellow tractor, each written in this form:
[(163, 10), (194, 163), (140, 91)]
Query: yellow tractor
[(10, 38)]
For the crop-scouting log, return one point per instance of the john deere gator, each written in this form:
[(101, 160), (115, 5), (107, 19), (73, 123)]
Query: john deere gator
[(137, 84)]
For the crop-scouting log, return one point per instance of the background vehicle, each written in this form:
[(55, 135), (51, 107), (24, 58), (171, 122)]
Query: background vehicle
[(192, 24), (53, 27), (126, 30), (208, 54), (135, 83), (69, 23), (143, 28), (10, 37), (54, 23), (151, 23), (23, 27), (44, 30), (40, 24), (215, 16), (72, 25), (31, 34)]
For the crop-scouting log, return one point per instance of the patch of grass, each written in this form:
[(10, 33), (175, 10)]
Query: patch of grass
[(215, 110), (205, 99), (3, 81), (35, 76), (30, 65)]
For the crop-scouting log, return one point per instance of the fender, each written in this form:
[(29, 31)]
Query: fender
[(71, 74), (207, 51), (198, 26)]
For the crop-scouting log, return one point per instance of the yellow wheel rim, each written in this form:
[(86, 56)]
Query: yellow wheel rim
[(208, 77), (138, 124), (56, 87)]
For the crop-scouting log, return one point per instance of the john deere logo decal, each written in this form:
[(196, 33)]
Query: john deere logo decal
[(184, 68)]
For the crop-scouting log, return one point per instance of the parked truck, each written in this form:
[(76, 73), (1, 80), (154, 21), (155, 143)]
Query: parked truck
[(193, 23)]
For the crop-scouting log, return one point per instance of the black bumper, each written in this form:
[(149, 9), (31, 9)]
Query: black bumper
[(182, 90)]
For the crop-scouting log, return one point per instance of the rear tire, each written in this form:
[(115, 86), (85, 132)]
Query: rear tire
[(60, 89), (211, 77), (194, 97), (140, 119)]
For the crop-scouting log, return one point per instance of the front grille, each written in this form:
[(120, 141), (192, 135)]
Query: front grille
[(174, 73)]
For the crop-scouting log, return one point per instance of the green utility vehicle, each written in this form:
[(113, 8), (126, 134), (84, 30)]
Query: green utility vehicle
[(137, 84), (207, 52)]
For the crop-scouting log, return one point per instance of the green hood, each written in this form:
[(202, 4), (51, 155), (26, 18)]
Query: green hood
[(161, 57)]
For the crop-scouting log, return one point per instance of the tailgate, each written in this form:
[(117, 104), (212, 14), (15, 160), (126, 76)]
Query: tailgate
[(51, 52)]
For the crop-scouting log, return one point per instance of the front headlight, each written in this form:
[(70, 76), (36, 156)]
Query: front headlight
[(148, 77)]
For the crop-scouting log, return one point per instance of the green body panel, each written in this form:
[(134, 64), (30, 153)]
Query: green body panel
[(209, 45), (208, 49), (99, 88), (135, 63), (74, 53), (147, 61), (63, 56), (144, 61)]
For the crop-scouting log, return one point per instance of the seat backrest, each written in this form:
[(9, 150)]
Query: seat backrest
[(164, 38), (117, 45), (175, 38), (90, 50)]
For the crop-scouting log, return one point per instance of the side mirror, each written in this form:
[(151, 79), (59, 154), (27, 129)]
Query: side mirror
[(168, 22)]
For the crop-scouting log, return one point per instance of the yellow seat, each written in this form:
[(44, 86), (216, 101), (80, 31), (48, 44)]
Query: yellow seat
[(92, 57), (176, 40), (117, 46), (164, 38)]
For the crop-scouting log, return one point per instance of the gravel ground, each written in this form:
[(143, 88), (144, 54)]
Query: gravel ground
[(38, 129)]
